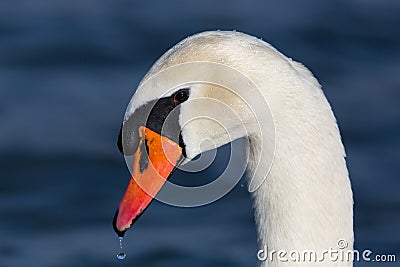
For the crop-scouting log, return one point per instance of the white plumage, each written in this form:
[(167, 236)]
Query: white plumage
[(305, 202)]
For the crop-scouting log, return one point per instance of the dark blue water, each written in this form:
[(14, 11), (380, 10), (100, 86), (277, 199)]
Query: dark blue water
[(67, 72)]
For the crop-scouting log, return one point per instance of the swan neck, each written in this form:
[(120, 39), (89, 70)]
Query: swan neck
[(305, 201)]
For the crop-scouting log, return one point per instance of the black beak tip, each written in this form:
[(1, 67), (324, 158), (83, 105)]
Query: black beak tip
[(114, 223)]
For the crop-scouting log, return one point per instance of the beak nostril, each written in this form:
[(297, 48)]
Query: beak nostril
[(144, 156), (114, 223)]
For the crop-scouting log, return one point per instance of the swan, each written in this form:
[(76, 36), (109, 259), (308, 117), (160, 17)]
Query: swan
[(225, 85)]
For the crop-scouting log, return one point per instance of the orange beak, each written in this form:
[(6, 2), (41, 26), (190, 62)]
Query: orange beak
[(154, 160)]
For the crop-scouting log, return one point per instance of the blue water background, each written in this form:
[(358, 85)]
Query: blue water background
[(68, 70)]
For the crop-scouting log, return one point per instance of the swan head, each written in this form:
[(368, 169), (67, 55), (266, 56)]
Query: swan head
[(170, 130), (195, 98)]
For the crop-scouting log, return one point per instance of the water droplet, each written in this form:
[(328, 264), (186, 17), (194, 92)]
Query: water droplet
[(121, 255)]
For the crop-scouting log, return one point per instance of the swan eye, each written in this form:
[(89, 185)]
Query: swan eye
[(181, 96)]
